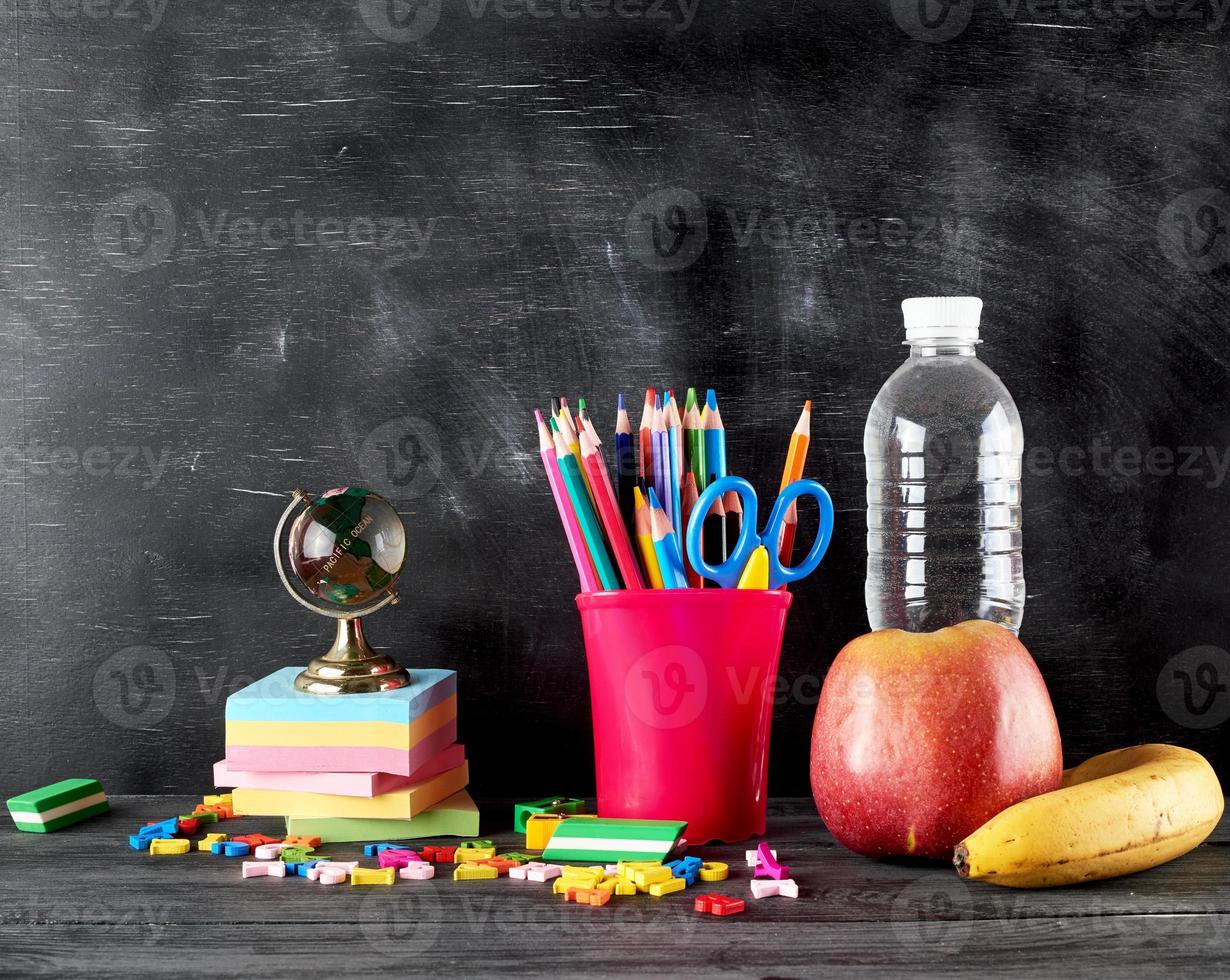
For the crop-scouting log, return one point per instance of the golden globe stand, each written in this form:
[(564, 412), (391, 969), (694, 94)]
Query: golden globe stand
[(350, 666)]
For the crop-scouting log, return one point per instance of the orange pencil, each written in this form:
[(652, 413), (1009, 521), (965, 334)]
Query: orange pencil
[(688, 497), (608, 512), (796, 457)]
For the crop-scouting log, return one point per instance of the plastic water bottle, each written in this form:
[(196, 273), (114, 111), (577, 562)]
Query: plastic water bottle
[(943, 445)]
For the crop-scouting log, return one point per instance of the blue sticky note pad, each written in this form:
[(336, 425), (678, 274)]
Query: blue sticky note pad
[(274, 698)]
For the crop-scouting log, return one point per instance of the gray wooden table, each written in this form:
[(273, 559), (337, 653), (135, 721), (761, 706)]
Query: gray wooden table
[(81, 902)]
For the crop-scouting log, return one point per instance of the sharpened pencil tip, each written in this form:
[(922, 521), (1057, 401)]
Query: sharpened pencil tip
[(711, 400), (620, 406), (554, 425), (807, 405), (538, 415)]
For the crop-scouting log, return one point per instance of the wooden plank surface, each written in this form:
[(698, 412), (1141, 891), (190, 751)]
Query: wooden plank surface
[(82, 902)]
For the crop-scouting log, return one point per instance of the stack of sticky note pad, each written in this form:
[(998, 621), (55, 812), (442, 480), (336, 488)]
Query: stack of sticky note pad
[(350, 767)]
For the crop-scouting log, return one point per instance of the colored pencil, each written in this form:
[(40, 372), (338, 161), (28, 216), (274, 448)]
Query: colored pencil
[(584, 509), (796, 457), (713, 536), (568, 517), (645, 456), (715, 439), (608, 511), (688, 497), (644, 540), (694, 441), (734, 518), (674, 431), (554, 407), (625, 464), (666, 546), (661, 457), (582, 409)]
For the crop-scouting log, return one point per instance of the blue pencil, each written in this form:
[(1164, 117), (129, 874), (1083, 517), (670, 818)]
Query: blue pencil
[(715, 439), (661, 455), (625, 465), (666, 546)]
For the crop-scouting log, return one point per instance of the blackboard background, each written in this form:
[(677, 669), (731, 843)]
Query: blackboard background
[(1047, 159)]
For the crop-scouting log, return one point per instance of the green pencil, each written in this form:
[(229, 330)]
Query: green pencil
[(586, 517), (694, 440)]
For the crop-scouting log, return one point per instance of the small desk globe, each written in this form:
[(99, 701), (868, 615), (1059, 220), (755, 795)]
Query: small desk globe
[(346, 549)]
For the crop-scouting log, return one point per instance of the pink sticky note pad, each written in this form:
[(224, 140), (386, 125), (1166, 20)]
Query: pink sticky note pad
[(341, 758), (366, 784)]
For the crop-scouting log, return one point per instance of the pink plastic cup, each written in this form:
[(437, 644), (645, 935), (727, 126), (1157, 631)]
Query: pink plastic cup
[(681, 682)]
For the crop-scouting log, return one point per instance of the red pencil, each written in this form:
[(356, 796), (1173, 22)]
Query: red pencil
[(645, 456), (608, 512), (688, 497)]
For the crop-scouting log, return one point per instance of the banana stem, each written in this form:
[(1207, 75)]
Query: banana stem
[(960, 860)]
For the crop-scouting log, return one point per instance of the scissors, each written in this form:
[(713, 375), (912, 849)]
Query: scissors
[(727, 573)]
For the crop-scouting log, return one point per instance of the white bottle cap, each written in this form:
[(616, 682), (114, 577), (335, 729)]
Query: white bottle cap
[(941, 318)]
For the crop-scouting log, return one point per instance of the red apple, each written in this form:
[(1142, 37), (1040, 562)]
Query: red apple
[(921, 738)]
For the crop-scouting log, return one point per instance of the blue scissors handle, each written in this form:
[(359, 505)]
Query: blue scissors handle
[(727, 573), (780, 574)]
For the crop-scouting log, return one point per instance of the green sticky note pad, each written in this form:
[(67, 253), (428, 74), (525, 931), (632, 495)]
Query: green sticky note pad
[(62, 804)]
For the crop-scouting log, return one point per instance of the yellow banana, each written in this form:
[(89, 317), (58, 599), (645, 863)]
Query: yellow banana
[(1114, 814)]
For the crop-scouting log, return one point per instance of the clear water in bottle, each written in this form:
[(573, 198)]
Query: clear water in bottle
[(943, 445)]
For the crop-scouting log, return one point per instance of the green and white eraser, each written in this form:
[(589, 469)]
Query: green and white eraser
[(62, 804), (603, 839)]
